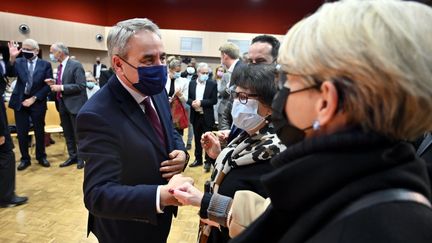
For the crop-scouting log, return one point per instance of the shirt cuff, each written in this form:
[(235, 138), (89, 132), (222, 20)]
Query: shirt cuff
[(158, 208), (62, 87)]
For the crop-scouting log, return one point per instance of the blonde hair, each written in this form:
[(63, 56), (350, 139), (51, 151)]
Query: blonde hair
[(378, 53), (231, 49)]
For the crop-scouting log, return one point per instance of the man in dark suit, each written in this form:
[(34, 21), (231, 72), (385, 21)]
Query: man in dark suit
[(202, 98), (105, 75), (8, 197), (70, 88), (28, 99), (97, 68), (128, 142)]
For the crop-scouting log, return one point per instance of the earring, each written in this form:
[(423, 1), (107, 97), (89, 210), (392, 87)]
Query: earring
[(316, 125)]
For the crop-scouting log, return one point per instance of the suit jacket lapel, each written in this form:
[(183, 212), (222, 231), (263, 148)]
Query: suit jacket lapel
[(25, 68), (134, 112), (206, 90)]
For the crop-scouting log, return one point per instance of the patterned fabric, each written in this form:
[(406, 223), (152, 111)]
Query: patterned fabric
[(245, 150)]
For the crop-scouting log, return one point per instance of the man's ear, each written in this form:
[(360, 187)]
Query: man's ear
[(328, 103), (117, 65)]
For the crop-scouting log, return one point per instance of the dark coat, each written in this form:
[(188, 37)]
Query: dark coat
[(207, 103), (74, 84), (121, 175), (317, 178), (42, 71)]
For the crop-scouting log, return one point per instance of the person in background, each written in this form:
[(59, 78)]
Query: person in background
[(358, 108), (8, 198), (221, 86), (264, 49), (70, 91), (97, 67), (91, 85), (105, 75), (128, 142), (176, 85), (202, 98), (29, 97), (230, 59)]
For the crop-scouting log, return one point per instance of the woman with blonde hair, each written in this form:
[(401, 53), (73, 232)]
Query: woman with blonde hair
[(358, 86)]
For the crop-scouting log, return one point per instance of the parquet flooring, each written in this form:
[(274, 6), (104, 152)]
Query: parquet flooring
[(55, 211)]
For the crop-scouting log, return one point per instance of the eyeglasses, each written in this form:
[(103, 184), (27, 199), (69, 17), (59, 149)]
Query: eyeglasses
[(304, 89), (242, 96)]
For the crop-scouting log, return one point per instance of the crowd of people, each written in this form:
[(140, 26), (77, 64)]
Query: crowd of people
[(325, 137)]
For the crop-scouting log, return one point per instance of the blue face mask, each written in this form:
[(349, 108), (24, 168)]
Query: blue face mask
[(90, 85), (203, 77), (151, 80), (52, 57), (177, 75)]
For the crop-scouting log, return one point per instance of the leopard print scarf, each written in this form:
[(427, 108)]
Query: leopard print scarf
[(244, 150)]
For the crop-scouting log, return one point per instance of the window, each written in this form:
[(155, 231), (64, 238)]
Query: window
[(191, 44), (242, 44)]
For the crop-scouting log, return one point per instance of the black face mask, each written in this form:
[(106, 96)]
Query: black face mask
[(287, 133), (28, 54)]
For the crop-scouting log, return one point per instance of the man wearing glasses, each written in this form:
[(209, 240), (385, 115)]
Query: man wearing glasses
[(29, 97)]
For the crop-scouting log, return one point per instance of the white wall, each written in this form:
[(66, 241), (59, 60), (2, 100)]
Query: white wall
[(80, 38)]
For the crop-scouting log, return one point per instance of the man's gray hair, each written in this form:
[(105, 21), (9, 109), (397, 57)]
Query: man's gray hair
[(202, 65), (61, 47), (31, 43), (118, 37)]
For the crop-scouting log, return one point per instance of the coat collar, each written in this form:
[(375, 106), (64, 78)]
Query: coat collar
[(133, 112)]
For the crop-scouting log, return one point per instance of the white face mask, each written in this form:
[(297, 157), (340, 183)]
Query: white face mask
[(245, 116), (190, 70)]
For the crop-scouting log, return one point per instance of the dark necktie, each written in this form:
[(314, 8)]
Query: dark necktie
[(59, 81), (152, 116), (30, 78)]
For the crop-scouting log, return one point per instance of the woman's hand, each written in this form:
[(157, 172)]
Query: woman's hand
[(210, 143), (187, 194)]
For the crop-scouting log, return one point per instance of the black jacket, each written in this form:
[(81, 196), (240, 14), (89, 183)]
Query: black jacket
[(315, 179)]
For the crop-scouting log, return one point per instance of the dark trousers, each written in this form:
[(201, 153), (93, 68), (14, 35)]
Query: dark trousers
[(7, 175), (200, 127), (22, 118), (68, 123)]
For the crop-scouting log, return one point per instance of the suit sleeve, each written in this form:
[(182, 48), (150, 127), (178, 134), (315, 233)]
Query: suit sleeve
[(43, 93), (79, 83), (190, 100), (3, 119), (212, 100), (104, 195)]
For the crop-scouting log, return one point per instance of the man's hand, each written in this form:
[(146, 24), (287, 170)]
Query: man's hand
[(13, 50), (56, 87), (173, 166), (196, 104), (166, 197), (28, 102), (2, 140), (50, 81)]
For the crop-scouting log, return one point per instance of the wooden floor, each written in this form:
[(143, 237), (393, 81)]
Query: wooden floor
[(55, 211)]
